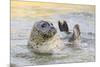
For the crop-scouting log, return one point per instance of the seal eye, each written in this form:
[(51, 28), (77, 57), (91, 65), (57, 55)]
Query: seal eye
[(44, 25)]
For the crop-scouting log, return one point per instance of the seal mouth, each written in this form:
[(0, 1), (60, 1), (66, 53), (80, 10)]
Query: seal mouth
[(53, 30)]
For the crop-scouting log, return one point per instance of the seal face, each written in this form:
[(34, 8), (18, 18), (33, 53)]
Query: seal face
[(42, 32), (47, 30)]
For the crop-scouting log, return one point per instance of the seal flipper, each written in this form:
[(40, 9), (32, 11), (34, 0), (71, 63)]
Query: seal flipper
[(76, 33), (60, 26), (63, 26)]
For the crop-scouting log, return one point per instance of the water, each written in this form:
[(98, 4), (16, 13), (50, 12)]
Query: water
[(20, 31)]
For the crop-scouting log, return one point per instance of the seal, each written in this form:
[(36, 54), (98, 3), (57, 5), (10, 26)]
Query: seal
[(43, 38)]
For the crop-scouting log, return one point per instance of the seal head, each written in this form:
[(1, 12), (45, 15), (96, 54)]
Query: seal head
[(41, 33)]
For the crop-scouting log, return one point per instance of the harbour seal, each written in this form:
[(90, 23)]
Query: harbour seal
[(43, 38)]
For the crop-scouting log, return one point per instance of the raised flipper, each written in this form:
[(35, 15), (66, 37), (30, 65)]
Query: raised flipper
[(76, 33), (60, 26), (63, 26)]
